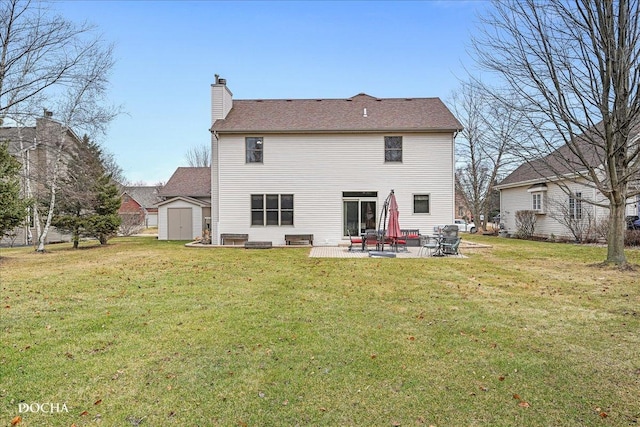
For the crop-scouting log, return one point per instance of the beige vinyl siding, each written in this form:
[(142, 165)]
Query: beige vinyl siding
[(54, 236), (196, 221), (519, 198), (221, 102), (316, 169)]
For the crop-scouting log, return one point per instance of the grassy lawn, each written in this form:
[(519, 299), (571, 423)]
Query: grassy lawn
[(152, 333)]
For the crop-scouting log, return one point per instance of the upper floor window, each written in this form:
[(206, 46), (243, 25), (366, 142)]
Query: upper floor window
[(421, 203), (254, 146), (392, 148)]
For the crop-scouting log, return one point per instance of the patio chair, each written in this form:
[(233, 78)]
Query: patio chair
[(401, 244), (371, 238), (450, 246), (428, 245), (354, 240), (450, 231)]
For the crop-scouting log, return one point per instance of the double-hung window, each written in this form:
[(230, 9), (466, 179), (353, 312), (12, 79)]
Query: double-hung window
[(271, 209), (575, 206), (393, 149), (254, 149), (536, 202), (538, 192), (421, 204)]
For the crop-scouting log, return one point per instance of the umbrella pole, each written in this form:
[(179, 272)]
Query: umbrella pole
[(385, 208)]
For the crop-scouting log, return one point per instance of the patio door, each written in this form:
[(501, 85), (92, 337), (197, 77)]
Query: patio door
[(359, 212)]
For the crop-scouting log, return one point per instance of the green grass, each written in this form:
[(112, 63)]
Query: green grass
[(143, 332)]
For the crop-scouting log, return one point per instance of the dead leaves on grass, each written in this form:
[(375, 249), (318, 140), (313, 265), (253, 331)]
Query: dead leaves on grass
[(521, 403)]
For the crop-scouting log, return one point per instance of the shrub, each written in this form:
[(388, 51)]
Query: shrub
[(525, 223), (632, 238)]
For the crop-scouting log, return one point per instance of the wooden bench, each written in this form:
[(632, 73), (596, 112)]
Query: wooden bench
[(233, 239), (411, 236), (299, 239), (257, 245)]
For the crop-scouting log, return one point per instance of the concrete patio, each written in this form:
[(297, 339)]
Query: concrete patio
[(412, 252)]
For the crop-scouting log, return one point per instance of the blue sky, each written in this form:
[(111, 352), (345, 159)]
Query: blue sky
[(167, 53)]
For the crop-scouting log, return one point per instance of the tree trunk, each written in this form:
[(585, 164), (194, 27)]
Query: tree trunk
[(76, 237), (617, 226), (52, 202)]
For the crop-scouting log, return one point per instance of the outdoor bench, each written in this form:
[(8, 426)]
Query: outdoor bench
[(257, 245), (299, 239), (411, 236), (233, 239)]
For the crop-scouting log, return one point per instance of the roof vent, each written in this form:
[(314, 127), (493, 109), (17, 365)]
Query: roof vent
[(364, 113)]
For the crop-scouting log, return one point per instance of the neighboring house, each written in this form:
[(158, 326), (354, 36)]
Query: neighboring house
[(185, 212), (35, 148), (139, 206), (326, 166), (553, 189)]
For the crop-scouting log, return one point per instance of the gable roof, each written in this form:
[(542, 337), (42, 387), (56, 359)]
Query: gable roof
[(12, 136), (338, 115), (145, 196), (189, 182), (190, 200), (562, 162)]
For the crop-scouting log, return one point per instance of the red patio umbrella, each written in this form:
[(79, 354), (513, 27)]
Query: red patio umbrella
[(393, 230)]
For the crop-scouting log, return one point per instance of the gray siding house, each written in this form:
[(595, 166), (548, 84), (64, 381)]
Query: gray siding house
[(35, 147)]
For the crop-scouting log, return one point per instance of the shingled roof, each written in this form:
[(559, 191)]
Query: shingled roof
[(360, 113), (12, 136), (146, 196), (561, 162), (188, 181)]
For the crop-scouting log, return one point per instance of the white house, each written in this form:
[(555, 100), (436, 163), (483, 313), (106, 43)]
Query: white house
[(556, 190), (325, 166)]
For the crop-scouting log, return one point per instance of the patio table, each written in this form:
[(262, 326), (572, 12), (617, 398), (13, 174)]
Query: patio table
[(439, 238)]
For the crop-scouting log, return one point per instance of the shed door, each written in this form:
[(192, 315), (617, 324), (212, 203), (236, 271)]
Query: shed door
[(180, 224)]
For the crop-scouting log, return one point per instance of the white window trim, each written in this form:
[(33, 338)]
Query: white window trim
[(542, 202)]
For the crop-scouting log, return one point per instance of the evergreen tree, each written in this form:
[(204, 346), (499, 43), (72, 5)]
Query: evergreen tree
[(12, 206), (89, 200), (104, 223), (77, 194)]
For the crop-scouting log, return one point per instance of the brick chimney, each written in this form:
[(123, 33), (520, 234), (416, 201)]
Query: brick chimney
[(221, 99)]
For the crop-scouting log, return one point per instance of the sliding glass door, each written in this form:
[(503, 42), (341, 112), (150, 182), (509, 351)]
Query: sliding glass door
[(359, 212)]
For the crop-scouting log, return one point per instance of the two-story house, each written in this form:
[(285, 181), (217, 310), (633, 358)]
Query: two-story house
[(325, 166)]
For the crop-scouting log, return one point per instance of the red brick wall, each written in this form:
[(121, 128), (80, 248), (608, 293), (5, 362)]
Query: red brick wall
[(130, 206)]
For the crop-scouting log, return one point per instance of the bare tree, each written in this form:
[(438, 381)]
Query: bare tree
[(199, 156), (574, 66), (47, 60), (577, 217), (482, 149)]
